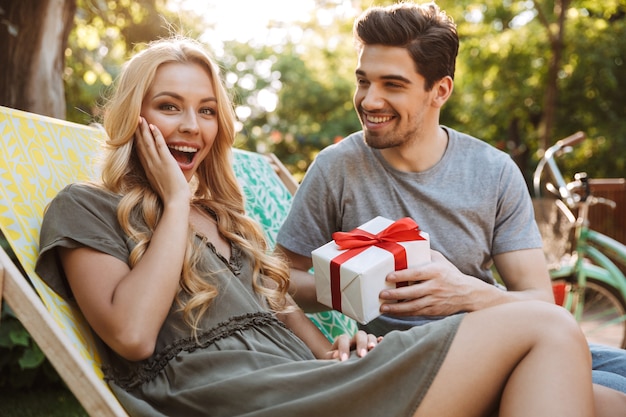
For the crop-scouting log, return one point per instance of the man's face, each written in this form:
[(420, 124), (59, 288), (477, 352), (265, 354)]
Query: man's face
[(390, 98)]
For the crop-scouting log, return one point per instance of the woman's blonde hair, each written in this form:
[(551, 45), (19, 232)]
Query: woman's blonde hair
[(216, 186)]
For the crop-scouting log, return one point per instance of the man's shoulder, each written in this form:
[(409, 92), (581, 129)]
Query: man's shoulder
[(471, 146), (469, 140)]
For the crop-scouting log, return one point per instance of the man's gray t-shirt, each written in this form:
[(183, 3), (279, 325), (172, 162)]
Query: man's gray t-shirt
[(474, 203)]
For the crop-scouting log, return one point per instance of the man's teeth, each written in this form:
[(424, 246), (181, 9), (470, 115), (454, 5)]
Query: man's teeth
[(375, 119), (187, 149)]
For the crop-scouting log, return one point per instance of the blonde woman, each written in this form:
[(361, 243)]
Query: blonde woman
[(192, 313)]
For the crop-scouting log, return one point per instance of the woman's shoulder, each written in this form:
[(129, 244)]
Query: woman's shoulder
[(85, 194), (84, 190), (81, 203)]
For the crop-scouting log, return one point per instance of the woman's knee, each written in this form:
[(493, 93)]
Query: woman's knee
[(550, 321)]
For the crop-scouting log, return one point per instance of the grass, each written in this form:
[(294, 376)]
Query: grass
[(49, 401)]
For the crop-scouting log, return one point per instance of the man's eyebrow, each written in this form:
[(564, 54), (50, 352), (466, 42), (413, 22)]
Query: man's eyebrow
[(390, 77), (393, 77)]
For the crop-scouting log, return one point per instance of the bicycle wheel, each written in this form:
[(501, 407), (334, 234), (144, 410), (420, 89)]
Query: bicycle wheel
[(604, 313)]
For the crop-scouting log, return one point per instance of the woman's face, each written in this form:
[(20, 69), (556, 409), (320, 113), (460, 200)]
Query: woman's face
[(181, 103)]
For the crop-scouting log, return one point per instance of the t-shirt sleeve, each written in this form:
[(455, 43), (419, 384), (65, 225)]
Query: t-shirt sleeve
[(79, 216), (515, 227), (313, 213)]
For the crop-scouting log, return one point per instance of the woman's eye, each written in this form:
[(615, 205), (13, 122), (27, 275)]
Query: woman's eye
[(168, 107), (208, 110)]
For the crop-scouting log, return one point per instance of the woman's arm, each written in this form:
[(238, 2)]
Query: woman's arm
[(306, 330), (127, 307)]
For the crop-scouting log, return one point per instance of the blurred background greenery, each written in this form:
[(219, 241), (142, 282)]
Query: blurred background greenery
[(528, 73)]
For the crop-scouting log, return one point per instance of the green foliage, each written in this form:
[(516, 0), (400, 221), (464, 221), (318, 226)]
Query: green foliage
[(51, 401), (294, 98), (594, 77), (502, 76), (312, 86), (105, 35), (22, 364)]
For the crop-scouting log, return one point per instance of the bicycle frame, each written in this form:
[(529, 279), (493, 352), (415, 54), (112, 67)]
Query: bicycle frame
[(594, 254), (594, 246)]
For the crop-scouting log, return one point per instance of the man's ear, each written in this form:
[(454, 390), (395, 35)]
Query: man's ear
[(442, 91)]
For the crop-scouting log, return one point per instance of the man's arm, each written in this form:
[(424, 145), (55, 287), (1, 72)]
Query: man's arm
[(440, 289), (302, 283), (525, 274)]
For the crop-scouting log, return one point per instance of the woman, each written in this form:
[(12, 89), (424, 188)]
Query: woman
[(193, 314)]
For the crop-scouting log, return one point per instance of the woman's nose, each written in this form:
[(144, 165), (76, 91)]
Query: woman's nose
[(189, 123)]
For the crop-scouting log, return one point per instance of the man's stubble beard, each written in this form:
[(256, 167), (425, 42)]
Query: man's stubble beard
[(390, 140), (395, 136)]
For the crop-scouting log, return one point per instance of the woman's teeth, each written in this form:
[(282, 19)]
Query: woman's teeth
[(188, 149)]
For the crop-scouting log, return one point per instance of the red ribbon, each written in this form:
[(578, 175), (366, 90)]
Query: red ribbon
[(358, 240)]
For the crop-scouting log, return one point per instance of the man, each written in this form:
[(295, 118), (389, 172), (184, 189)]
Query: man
[(469, 197)]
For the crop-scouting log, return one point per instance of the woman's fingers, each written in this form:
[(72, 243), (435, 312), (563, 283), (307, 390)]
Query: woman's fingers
[(365, 342), (342, 346), (162, 170), (362, 342), (144, 141)]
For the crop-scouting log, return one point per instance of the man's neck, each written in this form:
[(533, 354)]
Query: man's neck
[(420, 154)]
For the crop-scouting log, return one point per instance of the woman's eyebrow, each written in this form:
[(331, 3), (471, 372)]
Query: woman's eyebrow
[(179, 97)]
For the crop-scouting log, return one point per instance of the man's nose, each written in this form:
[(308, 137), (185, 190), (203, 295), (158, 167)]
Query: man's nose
[(372, 99)]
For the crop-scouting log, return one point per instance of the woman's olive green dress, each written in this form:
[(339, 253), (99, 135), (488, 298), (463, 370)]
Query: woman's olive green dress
[(245, 362)]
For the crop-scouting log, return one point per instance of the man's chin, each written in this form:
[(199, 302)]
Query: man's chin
[(373, 140)]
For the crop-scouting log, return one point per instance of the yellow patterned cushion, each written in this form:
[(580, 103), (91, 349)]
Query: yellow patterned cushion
[(39, 156)]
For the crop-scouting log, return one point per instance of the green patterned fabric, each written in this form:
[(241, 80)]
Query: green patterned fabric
[(268, 202)]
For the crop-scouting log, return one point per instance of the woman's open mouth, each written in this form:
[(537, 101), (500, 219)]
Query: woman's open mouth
[(183, 154)]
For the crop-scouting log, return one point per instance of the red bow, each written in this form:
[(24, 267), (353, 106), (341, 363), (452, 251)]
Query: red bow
[(402, 230)]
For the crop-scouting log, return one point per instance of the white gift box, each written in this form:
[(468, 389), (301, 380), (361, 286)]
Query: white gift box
[(351, 282)]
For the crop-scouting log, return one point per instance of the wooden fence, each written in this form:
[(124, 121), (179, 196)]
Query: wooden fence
[(611, 222)]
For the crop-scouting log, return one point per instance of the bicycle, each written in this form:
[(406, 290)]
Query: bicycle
[(585, 277)]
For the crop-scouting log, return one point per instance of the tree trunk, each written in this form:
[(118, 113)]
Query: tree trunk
[(556, 38), (33, 39)]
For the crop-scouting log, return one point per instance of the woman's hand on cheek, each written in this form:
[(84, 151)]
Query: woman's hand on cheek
[(162, 170)]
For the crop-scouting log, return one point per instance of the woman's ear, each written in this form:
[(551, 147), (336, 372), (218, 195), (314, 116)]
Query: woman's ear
[(442, 91)]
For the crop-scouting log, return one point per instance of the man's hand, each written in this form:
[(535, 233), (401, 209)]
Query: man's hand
[(435, 289)]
